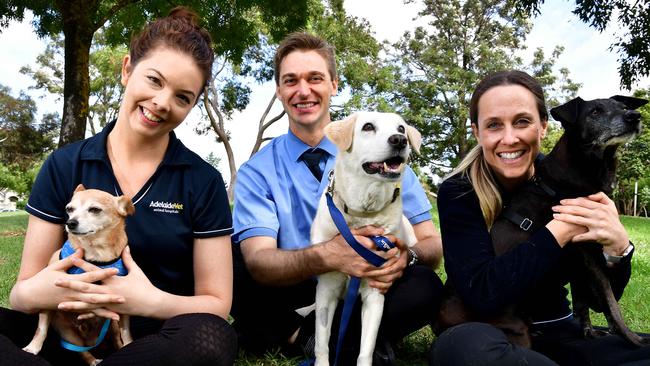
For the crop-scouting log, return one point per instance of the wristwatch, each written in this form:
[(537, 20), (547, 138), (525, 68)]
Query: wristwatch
[(412, 257), (615, 259)]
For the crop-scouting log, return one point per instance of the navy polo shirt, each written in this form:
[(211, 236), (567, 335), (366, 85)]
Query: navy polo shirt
[(183, 200)]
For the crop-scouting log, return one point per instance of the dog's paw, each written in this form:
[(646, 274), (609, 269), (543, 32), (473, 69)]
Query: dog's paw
[(32, 349), (96, 362)]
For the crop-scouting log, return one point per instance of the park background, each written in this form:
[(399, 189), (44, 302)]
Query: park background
[(420, 58)]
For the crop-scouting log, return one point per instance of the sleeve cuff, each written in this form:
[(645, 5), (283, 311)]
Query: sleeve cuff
[(249, 233)]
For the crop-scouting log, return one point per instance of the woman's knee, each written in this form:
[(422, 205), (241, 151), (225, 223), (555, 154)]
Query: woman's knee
[(470, 343), (208, 339)]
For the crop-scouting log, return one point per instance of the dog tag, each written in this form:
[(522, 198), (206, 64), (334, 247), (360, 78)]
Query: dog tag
[(382, 242)]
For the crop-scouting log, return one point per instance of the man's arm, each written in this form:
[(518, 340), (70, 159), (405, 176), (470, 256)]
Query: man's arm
[(429, 245), (273, 266)]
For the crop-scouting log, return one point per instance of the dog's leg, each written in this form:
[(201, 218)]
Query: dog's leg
[(44, 319), (329, 290), (371, 312), (610, 307), (125, 329)]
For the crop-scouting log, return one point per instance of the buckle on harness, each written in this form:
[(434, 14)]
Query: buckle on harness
[(526, 223)]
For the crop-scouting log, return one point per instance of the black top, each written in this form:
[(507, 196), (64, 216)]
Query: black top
[(533, 275), (184, 199)]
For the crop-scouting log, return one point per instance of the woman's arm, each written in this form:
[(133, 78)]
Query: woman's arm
[(484, 281), (212, 285), (42, 240)]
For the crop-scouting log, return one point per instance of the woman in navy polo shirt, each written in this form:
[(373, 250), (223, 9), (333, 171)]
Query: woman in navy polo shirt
[(179, 286)]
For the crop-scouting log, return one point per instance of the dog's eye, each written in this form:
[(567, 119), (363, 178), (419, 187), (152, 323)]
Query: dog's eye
[(401, 129), (595, 111), (69, 209), (368, 127), (94, 210)]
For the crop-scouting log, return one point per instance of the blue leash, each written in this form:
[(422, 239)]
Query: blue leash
[(353, 286), (66, 251)]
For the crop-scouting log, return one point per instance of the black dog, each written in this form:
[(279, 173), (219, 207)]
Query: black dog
[(583, 162)]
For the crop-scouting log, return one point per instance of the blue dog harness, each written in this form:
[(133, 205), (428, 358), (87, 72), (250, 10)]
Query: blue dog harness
[(67, 251)]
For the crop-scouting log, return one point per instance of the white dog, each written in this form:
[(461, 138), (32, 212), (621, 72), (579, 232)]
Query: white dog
[(373, 150)]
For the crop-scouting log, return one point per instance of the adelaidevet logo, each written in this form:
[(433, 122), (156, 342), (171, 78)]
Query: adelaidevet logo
[(166, 207)]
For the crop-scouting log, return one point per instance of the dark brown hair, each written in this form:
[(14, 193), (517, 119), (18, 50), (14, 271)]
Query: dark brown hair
[(300, 41), (179, 31), (508, 77)]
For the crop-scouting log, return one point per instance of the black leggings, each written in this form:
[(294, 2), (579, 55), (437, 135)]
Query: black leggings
[(559, 343), (265, 316), (188, 339)]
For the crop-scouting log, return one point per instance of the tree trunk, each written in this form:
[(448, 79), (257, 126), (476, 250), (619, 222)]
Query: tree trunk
[(78, 30), (263, 126), (216, 123)]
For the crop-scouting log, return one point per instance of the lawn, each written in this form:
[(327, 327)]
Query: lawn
[(413, 350)]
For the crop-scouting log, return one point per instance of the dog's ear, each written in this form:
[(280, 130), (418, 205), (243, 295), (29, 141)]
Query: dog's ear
[(79, 188), (630, 102), (125, 206), (568, 112), (415, 138), (341, 132)]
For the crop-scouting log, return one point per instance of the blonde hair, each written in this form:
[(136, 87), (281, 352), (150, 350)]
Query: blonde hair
[(480, 176)]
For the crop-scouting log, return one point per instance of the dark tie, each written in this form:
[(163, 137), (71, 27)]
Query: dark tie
[(312, 158)]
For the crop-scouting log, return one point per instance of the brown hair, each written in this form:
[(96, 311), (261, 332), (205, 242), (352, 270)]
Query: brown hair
[(474, 165), (179, 31), (300, 41)]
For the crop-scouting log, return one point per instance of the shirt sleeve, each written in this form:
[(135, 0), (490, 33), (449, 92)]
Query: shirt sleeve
[(254, 213), (52, 189), (416, 204), (485, 282), (211, 208)]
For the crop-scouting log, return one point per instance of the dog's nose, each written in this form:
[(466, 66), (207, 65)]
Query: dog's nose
[(397, 141), (632, 116), (72, 224)]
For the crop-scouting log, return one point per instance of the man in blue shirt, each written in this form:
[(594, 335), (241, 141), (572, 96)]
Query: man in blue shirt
[(276, 197)]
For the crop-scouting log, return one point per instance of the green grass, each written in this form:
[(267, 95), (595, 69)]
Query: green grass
[(414, 349)]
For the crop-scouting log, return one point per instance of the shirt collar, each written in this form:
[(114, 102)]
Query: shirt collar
[(97, 151), (296, 147)]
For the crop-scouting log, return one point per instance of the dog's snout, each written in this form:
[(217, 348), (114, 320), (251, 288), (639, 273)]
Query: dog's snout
[(72, 224), (632, 116), (397, 141)]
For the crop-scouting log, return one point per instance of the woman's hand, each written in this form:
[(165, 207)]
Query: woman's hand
[(130, 294), (598, 214)]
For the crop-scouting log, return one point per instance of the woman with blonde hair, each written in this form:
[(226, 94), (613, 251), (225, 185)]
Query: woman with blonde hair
[(509, 119)]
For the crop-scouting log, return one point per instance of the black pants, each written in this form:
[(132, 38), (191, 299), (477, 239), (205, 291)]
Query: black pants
[(189, 339), (559, 343), (265, 316)]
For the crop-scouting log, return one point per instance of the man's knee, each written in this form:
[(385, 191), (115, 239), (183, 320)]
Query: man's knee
[(468, 344)]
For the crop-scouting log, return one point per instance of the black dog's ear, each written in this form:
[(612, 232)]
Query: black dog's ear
[(630, 102), (567, 112)]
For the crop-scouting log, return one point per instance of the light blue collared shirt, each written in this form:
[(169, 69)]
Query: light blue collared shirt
[(277, 196)]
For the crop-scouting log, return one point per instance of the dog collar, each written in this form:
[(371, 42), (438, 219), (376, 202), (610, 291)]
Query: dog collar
[(348, 210), (67, 250)]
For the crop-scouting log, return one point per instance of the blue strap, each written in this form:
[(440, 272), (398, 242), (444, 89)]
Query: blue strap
[(355, 282), (66, 251), (339, 221), (73, 347)]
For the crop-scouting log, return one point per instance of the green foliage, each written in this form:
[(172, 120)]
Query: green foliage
[(24, 142), (632, 42), (429, 73), (634, 164)]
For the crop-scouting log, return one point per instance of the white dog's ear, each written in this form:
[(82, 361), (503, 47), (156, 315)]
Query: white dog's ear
[(341, 132), (415, 139), (79, 188), (125, 206)]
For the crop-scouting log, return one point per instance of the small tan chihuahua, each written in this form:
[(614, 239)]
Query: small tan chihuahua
[(95, 224)]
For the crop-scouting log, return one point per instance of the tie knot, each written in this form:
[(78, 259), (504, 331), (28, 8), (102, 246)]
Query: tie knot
[(312, 158)]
